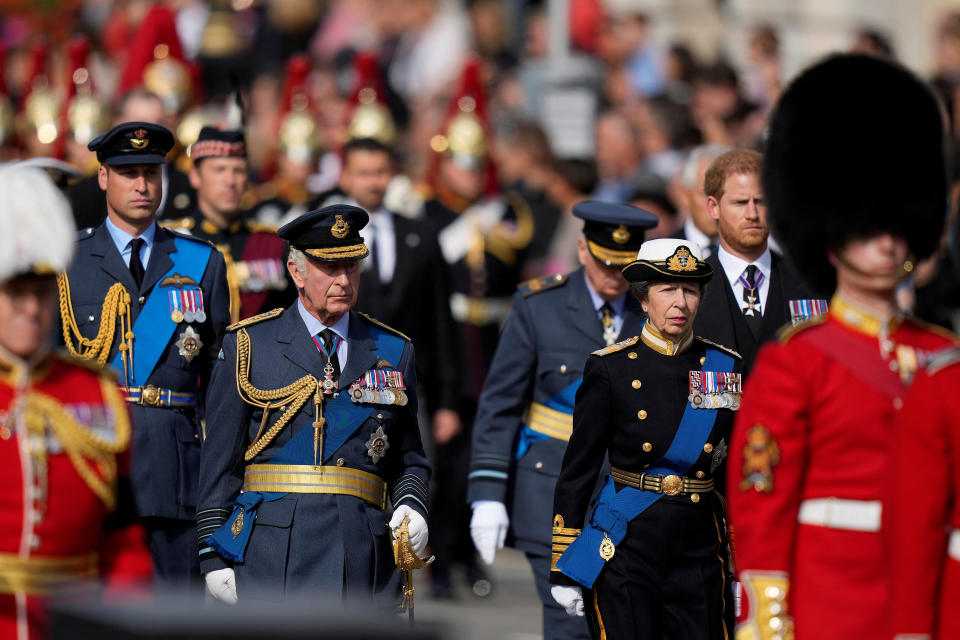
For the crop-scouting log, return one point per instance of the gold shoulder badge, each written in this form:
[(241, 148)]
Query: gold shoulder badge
[(721, 347), (246, 322), (760, 455), (139, 139), (178, 224), (340, 228), (788, 331), (621, 235), (623, 344), (384, 326), (682, 260), (542, 283)]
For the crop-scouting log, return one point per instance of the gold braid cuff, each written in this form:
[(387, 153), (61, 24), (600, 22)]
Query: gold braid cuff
[(766, 593), (294, 396), (562, 538), (116, 305)]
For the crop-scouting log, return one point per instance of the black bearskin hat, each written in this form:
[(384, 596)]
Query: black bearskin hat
[(855, 147)]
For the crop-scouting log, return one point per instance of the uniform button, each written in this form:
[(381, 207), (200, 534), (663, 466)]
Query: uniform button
[(632, 355), (636, 384), (642, 414), (702, 360), (695, 497), (142, 299), (283, 408), (701, 474), (647, 447), (707, 448), (341, 462), (897, 403), (379, 416), (90, 318), (539, 465), (563, 368)]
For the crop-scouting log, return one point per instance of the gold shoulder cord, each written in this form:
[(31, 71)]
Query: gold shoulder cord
[(115, 304), (294, 396), (233, 284), (84, 449)]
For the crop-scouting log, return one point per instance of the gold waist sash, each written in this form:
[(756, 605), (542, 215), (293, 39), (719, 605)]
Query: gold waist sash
[(549, 422), (45, 575), (305, 478)]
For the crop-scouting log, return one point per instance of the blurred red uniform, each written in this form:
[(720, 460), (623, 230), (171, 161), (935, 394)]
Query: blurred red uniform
[(808, 473), (925, 520), (64, 437)]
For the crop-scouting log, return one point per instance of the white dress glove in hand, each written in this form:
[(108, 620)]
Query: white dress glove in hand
[(488, 527), (570, 598), (417, 527), (222, 585)]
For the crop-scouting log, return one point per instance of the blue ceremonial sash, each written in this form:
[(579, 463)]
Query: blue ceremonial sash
[(343, 418), (154, 326), (561, 401), (615, 509)]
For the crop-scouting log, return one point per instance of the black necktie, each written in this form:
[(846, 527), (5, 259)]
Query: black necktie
[(327, 336), (136, 267), (751, 299)]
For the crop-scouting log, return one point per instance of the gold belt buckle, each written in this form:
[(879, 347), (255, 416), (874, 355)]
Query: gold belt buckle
[(671, 485), (150, 396)]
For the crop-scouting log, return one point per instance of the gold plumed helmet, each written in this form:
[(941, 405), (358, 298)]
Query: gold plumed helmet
[(464, 138), (298, 135), (156, 61), (370, 117), (87, 117)]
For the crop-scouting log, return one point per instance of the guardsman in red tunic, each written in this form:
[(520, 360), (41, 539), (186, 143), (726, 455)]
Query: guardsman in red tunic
[(925, 519), (64, 429), (856, 198)]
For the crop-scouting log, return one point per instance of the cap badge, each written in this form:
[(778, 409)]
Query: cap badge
[(621, 235), (139, 139), (340, 228), (682, 260)]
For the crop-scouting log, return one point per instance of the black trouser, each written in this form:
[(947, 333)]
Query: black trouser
[(557, 623), (173, 546)]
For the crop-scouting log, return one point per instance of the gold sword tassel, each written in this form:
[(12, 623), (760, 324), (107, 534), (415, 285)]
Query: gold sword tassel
[(318, 425)]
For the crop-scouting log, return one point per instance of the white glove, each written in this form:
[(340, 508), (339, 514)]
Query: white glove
[(488, 527), (570, 598), (222, 585), (417, 527)]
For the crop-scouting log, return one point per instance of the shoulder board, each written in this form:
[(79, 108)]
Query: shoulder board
[(254, 226), (176, 224), (83, 234), (543, 283), (788, 331), (103, 371), (246, 322), (623, 344), (943, 360), (187, 236), (721, 347), (934, 328), (383, 326)]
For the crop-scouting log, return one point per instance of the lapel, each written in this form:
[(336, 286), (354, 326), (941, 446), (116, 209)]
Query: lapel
[(775, 312), (361, 354), (585, 318), (160, 261), (405, 256), (296, 344), (633, 318), (110, 261)]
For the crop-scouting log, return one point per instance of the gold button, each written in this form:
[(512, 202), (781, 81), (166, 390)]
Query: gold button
[(563, 368), (632, 355), (707, 448), (695, 497), (636, 384), (647, 447), (539, 465), (341, 462), (702, 360), (701, 474), (642, 414)]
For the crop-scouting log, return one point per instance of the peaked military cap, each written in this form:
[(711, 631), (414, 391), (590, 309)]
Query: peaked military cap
[(218, 143), (133, 143), (330, 233), (614, 232), (668, 259)]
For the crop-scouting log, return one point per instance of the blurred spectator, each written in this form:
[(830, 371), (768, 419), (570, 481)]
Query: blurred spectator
[(679, 72), (699, 226), (717, 105), (618, 156), (664, 132), (873, 42), (651, 195), (572, 181), (762, 75)]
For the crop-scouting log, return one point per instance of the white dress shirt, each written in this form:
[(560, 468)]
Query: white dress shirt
[(733, 268), (341, 327)]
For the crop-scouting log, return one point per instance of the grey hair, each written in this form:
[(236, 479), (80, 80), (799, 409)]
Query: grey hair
[(299, 259), (709, 152)]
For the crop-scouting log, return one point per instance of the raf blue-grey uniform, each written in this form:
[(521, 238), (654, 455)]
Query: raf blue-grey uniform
[(306, 539), (164, 399), (554, 325)]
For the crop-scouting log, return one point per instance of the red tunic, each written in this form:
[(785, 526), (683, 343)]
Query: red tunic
[(926, 507), (817, 422), (50, 515)]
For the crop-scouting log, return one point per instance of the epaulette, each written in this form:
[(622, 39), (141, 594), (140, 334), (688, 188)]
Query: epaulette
[(542, 283), (246, 322), (721, 347), (176, 224), (104, 371), (623, 344), (254, 226), (83, 234), (943, 360), (934, 328), (383, 326), (187, 236), (788, 331)]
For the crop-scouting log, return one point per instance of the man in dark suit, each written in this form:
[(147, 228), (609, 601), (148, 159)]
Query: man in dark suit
[(154, 304), (747, 305), (525, 414)]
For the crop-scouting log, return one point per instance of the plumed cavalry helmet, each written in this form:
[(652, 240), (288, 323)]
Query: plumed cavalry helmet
[(855, 147)]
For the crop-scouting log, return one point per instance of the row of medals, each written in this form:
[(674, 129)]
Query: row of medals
[(188, 316), (377, 396), (724, 400)]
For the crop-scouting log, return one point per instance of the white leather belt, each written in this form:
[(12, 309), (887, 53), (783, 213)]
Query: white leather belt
[(836, 513), (953, 549)]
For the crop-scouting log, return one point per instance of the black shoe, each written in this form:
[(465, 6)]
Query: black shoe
[(441, 587)]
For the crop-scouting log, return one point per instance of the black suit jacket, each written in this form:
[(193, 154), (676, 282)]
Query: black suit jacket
[(417, 302), (720, 317)]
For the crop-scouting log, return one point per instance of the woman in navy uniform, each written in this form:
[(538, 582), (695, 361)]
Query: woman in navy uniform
[(653, 550)]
